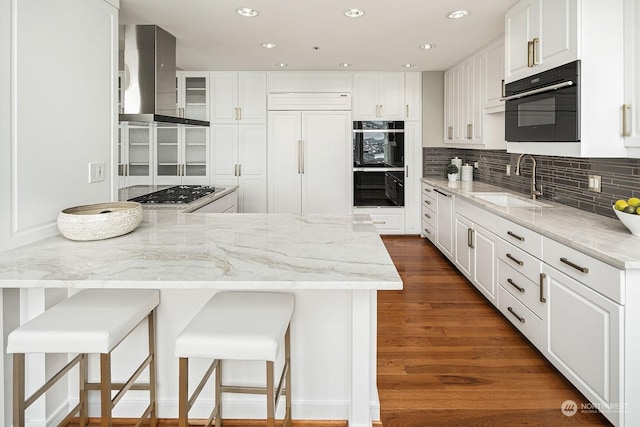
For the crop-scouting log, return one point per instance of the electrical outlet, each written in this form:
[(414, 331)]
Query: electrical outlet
[(595, 183), (476, 165), (96, 172), (508, 170)]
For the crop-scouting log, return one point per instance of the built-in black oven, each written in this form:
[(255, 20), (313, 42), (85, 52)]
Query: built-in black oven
[(544, 107), (378, 163)]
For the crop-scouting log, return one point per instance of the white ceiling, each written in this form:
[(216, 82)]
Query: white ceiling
[(212, 36)]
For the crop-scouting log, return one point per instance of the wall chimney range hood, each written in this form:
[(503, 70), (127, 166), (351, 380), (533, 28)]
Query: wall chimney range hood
[(150, 77)]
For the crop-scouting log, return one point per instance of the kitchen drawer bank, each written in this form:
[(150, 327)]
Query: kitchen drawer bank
[(561, 276)]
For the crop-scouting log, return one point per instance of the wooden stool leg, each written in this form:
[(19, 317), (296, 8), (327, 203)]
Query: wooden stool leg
[(105, 389), (84, 392), (18, 390), (152, 368), (183, 392), (219, 394), (287, 358), (271, 402)]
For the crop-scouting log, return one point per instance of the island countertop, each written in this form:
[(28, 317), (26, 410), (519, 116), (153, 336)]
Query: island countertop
[(173, 250)]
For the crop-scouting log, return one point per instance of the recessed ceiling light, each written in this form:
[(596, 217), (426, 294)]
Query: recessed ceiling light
[(282, 64), (427, 46), (457, 14), (344, 64), (269, 45), (246, 11), (354, 13), (408, 65)]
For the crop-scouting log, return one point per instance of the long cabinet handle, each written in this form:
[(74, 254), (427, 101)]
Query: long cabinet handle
[(515, 236), (470, 131), (239, 170), (235, 170), (520, 319), (514, 259), (530, 53), (450, 132), (239, 113), (535, 42), (576, 266), (380, 222), (441, 192), (301, 156), (626, 131), (407, 110), (126, 169), (406, 169), (542, 297), (520, 289)]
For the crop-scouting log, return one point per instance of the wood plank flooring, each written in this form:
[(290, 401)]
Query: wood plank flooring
[(447, 357)]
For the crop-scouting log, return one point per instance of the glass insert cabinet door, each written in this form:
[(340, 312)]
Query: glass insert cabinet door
[(195, 98), (182, 155), (167, 151), (195, 152)]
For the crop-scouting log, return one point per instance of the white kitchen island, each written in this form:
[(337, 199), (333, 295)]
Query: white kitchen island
[(332, 264)]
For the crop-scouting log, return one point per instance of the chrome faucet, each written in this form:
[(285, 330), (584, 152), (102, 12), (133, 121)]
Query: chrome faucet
[(534, 192)]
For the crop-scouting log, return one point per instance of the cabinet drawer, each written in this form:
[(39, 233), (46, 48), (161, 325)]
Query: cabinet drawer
[(523, 289), (528, 265), (599, 276), (428, 231), (429, 216), (521, 317), (221, 205), (521, 237), (388, 223), (427, 192)]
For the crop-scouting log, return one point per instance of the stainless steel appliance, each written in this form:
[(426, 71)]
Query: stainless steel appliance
[(544, 107), (179, 194), (378, 163), (150, 77)]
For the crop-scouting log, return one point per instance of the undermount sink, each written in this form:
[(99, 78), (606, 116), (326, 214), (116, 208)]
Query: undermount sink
[(509, 200)]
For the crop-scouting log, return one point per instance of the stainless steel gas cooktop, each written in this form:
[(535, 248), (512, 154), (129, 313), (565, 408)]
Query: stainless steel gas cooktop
[(180, 194)]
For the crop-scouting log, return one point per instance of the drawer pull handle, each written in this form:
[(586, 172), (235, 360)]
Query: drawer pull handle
[(512, 283), (441, 192), (379, 222), (576, 266), (427, 231), (520, 319), (427, 202), (514, 235), (514, 259), (427, 190), (428, 216), (542, 277)]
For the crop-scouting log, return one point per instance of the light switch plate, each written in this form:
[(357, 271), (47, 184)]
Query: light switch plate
[(96, 172), (595, 183)]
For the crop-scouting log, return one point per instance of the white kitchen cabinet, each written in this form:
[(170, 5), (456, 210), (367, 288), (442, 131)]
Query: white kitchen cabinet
[(239, 98), (135, 154), (444, 223), (181, 155), (470, 119), (379, 96), (192, 95), (484, 268), (463, 253), (239, 157), (413, 96), (540, 35), (631, 107), (428, 212), (494, 76), (583, 334), (309, 162), (225, 204)]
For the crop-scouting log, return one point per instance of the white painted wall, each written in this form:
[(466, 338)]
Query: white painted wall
[(59, 71)]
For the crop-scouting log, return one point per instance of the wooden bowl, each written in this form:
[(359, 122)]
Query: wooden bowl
[(99, 221)]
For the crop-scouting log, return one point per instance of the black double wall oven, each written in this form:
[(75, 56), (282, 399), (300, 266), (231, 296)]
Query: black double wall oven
[(378, 163)]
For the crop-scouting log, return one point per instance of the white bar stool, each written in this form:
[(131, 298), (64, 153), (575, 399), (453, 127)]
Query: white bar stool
[(237, 326), (91, 321)]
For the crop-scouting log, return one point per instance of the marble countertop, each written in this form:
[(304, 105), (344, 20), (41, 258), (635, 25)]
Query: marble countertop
[(139, 190), (603, 238), (174, 250)]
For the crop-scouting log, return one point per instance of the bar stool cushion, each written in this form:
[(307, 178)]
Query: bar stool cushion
[(91, 321), (238, 326)]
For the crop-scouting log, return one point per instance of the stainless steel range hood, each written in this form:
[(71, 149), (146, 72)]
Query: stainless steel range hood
[(150, 77)]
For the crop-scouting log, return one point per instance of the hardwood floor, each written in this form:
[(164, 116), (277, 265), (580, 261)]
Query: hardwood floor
[(447, 357)]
